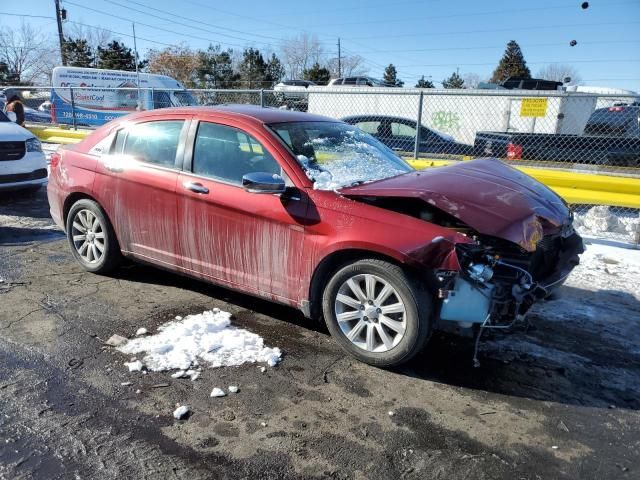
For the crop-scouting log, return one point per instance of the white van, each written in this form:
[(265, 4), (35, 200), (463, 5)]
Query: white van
[(102, 95)]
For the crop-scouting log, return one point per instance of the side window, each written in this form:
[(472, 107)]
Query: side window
[(350, 81), (227, 154), (402, 130), (151, 142), (369, 127), (363, 81)]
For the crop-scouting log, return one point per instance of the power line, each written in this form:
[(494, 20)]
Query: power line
[(571, 5), (492, 30)]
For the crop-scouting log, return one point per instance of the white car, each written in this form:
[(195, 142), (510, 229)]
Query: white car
[(23, 164), (292, 90)]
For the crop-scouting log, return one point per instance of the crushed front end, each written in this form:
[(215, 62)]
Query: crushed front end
[(498, 281)]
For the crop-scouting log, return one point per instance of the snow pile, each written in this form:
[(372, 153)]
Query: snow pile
[(604, 267), (206, 337), (603, 220)]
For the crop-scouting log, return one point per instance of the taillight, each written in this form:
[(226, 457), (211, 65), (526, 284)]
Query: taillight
[(616, 109), (514, 152), (54, 160)]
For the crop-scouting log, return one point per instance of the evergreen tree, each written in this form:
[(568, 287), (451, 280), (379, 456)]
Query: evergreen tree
[(7, 77), (215, 68), (317, 74), (117, 56), (78, 53), (274, 71), (422, 83), (512, 64), (253, 69), (454, 81), (391, 76)]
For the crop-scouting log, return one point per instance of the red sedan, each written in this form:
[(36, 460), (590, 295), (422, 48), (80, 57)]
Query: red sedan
[(311, 212)]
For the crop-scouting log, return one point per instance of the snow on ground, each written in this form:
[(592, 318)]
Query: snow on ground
[(207, 338), (604, 267)]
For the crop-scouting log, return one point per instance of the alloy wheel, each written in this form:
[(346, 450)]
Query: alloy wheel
[(370, 313), (88, 236)]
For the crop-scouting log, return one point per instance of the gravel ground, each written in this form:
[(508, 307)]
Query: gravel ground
[(558, 399)]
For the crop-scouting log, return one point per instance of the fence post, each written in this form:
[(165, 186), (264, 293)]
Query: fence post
[(73, 109), (416, 149), (262, 97), (153, 101)]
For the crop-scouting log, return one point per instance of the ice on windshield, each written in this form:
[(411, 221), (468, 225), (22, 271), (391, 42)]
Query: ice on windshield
[(336, 155)]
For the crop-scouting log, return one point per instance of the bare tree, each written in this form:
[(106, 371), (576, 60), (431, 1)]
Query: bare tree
[(471, 80), (95, 37), (559, 71), (27, 52), (300, 53), (351, 65)]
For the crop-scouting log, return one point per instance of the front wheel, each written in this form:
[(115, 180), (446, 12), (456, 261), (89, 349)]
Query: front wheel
[(377, 312), (93, 242)]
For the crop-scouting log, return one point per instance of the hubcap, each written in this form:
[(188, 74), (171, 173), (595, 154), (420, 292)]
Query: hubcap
[(88, 236), (370, 313)]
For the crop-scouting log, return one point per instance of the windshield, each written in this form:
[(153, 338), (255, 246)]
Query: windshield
[(184, 99), (336, 155)]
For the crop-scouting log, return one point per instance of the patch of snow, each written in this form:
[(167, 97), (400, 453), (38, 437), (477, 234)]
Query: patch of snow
[(134, 366), (218, 392), (141, 331), (207, 337), (607, 222), (181, 412), (233, 389)]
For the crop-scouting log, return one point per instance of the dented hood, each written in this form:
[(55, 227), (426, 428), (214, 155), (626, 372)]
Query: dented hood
[(487, 195)]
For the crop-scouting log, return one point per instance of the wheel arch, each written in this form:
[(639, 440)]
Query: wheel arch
[(332, 262), (75, 197)]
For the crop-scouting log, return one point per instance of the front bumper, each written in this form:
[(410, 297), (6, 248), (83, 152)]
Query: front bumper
[(28, 171)]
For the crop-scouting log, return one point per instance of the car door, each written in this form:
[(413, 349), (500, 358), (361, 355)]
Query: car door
[(136, 185), (245, 240)]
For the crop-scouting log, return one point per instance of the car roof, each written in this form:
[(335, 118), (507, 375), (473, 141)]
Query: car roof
[(373, 117), (265, 115)]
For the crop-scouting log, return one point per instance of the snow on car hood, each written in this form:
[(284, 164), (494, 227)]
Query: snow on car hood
[(487, 195), (11, 132)]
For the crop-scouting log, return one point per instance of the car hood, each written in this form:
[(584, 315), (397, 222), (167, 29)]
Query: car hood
[(12, 132), (490, 197)]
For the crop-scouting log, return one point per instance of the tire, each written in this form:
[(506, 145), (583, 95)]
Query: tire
[(381, 334), (87, 219)]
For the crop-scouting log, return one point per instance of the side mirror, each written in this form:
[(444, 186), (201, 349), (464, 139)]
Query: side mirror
[(263, 182), (12, 116)]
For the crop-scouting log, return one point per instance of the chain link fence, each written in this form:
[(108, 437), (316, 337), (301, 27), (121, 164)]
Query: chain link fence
[(555, 130)]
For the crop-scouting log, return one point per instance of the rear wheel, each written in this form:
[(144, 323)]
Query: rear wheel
[(377, 312), (93, 242)]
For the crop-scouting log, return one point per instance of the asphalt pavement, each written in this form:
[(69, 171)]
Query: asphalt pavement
[(556, 399)]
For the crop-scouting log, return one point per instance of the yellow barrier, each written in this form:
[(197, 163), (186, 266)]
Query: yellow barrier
[(57, 134), (574, 187)]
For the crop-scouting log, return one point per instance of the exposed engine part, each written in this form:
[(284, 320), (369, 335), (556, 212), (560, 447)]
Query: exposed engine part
[(466, 302), (480, 272)]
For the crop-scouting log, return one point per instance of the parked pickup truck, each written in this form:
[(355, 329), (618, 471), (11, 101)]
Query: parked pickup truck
[(611, 137)]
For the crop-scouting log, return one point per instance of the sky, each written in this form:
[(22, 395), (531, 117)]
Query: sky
[(431, 37)]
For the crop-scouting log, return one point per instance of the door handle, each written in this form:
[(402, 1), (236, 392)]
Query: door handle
[(113, 168), (195, 187)]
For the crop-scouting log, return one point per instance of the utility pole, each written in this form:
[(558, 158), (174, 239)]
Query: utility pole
[(135, 51), (339, 60), (60, 34)]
